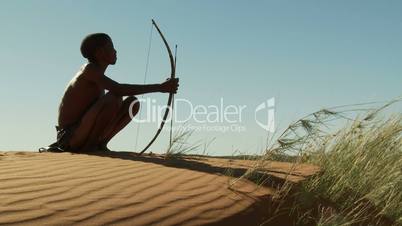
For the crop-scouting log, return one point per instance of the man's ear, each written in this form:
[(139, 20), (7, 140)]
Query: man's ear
[(99, 52)]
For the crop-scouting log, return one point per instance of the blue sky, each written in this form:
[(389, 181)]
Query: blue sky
[(306, 54)]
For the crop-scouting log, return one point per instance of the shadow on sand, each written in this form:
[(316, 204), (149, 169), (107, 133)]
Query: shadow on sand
[(255, 214)]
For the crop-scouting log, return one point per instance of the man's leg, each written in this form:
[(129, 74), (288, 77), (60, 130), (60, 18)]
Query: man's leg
[(94, 122), (123, 117)]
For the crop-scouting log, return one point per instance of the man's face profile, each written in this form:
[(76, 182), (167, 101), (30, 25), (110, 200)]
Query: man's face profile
[(108, 53)]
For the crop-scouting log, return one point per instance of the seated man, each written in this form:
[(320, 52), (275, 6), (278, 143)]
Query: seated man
[(88, 117)]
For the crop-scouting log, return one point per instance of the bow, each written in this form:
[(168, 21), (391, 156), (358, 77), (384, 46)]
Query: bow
[(172, 76)]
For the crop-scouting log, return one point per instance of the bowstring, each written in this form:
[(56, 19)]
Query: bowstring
[(145, 80)]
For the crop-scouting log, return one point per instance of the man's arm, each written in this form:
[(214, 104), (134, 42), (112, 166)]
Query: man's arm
[(126, 89), (130, 89)]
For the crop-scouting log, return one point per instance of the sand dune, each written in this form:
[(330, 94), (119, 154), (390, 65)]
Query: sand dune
[(123, 189)]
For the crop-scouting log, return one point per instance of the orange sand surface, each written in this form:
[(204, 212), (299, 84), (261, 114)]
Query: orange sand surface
[(120, 188)]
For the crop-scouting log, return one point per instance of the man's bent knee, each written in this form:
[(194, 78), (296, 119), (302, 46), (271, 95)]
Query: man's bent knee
[(134, 104), (112, 101)]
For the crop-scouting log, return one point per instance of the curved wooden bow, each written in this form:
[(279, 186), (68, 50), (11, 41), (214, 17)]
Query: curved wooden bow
[(172, 76)]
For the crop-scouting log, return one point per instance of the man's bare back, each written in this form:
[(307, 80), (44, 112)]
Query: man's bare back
[(79, 95)]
